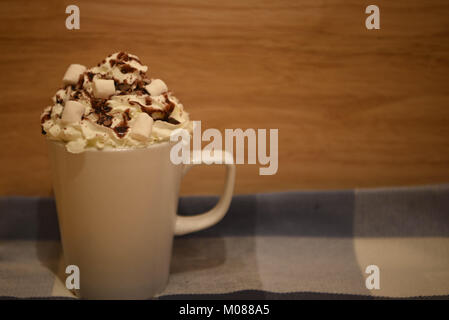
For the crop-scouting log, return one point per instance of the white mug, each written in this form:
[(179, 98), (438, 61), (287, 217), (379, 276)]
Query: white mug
[(117, 216)]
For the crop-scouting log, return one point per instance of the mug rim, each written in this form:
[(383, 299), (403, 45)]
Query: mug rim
[(91, 149)]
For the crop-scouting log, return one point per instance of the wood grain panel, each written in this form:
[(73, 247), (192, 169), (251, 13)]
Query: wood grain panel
[(354, 108)]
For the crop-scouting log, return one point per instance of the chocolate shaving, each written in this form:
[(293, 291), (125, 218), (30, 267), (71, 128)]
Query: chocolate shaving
[(140, 85), (80, 82), (59, 100), (46, 117), (99, 105), (101, 109), (105, 120), (77, 94), (87, 94), (123, 87), (90, 75)]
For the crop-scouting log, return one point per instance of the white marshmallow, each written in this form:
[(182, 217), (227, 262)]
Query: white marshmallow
[(156, 87), (73, 73), (72, 113), (103, 88), (142, 126)]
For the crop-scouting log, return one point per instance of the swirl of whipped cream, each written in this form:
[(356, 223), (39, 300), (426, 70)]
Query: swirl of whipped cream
[(109, 122)]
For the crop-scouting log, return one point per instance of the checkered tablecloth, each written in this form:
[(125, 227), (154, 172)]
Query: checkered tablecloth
[(292, 245)]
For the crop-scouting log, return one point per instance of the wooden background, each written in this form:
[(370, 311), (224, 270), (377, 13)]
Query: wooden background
[(354, 108)]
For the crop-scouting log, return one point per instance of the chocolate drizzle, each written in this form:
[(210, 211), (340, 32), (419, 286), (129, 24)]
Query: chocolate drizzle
[(145, 108), (170, 104), (173, 120), (122, 128), (126, 68), (126, 115), (155, 113), (121, 60), (126, 57)]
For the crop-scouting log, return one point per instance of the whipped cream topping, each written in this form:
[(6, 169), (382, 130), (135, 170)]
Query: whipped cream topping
[(108, 121)]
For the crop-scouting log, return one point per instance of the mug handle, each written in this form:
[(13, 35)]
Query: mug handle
[(188, 224)]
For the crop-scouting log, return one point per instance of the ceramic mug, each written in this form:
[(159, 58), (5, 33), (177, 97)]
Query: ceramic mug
[(117, 216)]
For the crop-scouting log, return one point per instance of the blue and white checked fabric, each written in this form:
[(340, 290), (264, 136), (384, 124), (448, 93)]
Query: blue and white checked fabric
[(292, 245)]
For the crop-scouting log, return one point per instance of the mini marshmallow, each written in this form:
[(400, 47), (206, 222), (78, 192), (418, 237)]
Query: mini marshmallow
[(103, 88), (72, 113), (73, 73), (141, 128), (156, 87)]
